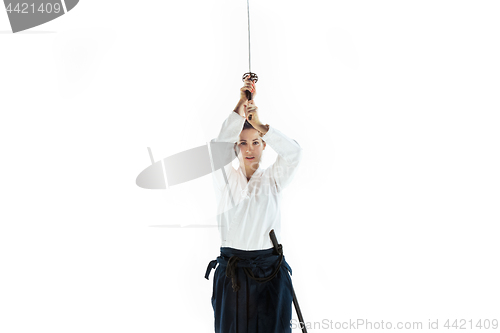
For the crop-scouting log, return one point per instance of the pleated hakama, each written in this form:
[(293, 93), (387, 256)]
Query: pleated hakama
[(255, 307)]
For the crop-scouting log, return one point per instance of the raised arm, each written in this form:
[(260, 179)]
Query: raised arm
[(230, 132), (289, 156), (289, 151)]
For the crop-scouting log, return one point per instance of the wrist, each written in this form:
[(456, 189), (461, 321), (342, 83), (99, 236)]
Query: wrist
[(263, 128), (239, 108)]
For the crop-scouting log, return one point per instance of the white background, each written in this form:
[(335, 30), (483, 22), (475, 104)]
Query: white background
[(392, 216)]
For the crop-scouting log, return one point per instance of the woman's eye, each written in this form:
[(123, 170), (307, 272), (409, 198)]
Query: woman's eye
[(243, 143), (256, 143)]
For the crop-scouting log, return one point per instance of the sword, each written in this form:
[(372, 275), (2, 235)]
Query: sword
[(279, 250), (251, 75)]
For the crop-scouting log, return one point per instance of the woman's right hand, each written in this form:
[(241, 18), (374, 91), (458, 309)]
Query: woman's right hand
[(249, 86)]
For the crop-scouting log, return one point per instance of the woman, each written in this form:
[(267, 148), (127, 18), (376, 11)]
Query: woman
[(249, 208)]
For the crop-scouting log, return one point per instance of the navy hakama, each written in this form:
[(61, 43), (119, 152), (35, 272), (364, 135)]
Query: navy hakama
[(255, 307)]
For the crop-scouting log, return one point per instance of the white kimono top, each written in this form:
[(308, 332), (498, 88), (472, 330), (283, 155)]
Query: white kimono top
[(247, 211)]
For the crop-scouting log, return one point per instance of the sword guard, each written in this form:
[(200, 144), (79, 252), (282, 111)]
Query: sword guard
[(253, 77)]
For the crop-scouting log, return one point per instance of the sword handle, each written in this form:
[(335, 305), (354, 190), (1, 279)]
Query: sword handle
[(249, 95)]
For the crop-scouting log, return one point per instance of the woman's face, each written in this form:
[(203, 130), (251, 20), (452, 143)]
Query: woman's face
[(251, 147)]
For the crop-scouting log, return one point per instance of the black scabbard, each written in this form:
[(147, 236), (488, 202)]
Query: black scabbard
[(277, 247), (279, 250)]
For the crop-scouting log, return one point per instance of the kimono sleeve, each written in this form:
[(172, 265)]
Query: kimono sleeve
[(220, 154), (288, 159)]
